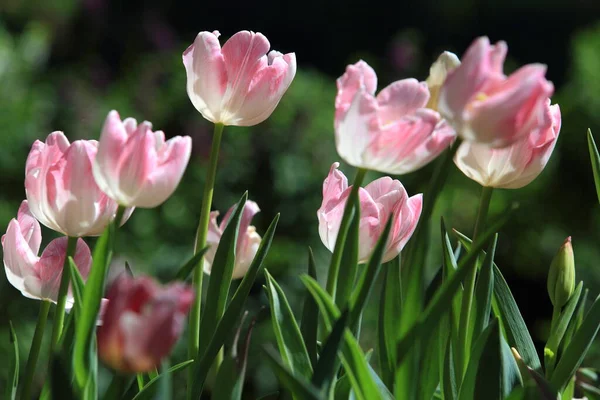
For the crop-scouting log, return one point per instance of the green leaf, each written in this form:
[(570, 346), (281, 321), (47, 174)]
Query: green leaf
[(83, 352), (232, 313), (578, 347), (429, 376), (289, 339), (186, 270), (483, 291), (149, 391), (310, 316), (77, 286), (576, 321), (389, 321), (449, 385), (533, 380), (506, 309), (13, 368), (327, 366), (220, 276), (347, 279), (299, 386), (595, 158)]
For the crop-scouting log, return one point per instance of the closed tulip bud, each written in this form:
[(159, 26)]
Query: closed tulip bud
[(247, 243), (141, 323), (135, 166), (61, 189), (379, 200), (486, 106), (561, 278), (438, 72), (239, 84), (38, 277), (393, 132)]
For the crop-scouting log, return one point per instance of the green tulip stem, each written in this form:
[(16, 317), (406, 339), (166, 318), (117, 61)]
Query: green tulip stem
[(34, 352), (194, 332)]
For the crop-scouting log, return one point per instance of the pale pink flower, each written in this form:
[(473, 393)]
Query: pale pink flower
[(486, 106), (247, 243), (137, 167), (514, 166), (392, 133), (141, 323), (61, 189), (239, 84), (38, 277), (379, 200)]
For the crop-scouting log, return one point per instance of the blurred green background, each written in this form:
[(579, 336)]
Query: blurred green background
[(65, 63)]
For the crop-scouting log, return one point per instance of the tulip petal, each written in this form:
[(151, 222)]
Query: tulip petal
[(357, 76), (406, 219), (401, 98), (19, 259), (30, 227)]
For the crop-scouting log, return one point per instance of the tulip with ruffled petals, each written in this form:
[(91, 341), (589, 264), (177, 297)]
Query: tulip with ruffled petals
[(141, 323), (514, 166), (135, 166), (378, 201), (392, 133), (38, 277), (61, 189), (239, 84), (485, 106), (247, 244)]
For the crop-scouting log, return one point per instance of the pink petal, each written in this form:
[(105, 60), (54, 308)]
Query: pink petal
[(401, 98), (406, 219), (19, 259), (30, 227), (333, 187), (357, 76)]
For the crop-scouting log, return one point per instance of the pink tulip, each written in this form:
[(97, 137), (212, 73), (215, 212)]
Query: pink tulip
[(392, 133), (378, 201), (38, 277), (485, 106), (141, 323), (514, 166), (61, 189), (247, 243), (135, 166), (239, 84)]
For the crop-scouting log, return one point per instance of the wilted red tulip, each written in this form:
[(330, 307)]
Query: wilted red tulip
[(135, 166), (378, 201), (485, 106), (247, 244), (141, 323), (38, 277), (61, 189), (393, 132), (239, 84), (514, 166)]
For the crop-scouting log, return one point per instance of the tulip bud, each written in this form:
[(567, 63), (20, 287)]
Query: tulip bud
[(561, 278)]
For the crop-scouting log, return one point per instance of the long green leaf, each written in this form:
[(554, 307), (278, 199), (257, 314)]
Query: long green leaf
[(232, 313), (327, 366), (449, 384), (349, 263), (77, 286), (578, 347), (186, 269), (289, 339), (309, 323), (595, 158), (299, 386), (13, 368), (505, 308), (389, 321), (220, 276), (576, 321), (149, 390), (484, 291)]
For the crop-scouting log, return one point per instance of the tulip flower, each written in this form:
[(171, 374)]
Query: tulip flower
[(61, 189), (379, 200), (239, 84), (485, 106), (514, 166), (141, 323), (392, 133), (438, 72), (38, 277), (247, 243), (135, 166)]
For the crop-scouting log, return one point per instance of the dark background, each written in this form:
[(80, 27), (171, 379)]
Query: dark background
[(64, 64)]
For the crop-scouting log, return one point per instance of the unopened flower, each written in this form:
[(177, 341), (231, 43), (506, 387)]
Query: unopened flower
[(379, 200), (561, 277), (438, 72), (518, 164), (38, 277), (141, 323), (393, 132), (239, 84), (61, 189), (247, 243), (486, 106), (135, 166)]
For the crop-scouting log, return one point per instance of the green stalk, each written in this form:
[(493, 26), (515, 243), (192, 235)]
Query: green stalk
[(34, 352), (336, 258), (464, 346), (59, 315), (194, 333)]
